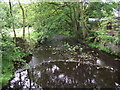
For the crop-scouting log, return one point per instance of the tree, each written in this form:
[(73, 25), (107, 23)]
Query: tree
[(13, 26), (83, 22), (23, 14), (69, 17)]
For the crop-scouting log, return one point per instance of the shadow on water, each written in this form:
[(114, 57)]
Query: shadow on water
[(67, 74)]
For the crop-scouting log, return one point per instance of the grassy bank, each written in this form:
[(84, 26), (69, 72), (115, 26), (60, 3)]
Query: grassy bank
[(98, 46)]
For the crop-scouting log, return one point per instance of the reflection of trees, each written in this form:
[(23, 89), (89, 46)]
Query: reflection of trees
[(73, 74)]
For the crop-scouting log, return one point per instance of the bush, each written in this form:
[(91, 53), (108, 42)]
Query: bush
[(10, 53)]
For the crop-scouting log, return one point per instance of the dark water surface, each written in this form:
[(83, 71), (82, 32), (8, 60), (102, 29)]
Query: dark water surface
[(61, 68)]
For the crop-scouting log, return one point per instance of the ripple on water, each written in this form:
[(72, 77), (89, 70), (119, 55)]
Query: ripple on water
[(59, 74)]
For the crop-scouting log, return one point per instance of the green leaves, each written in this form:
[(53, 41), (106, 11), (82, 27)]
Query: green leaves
[(100, 9), (10, 53)]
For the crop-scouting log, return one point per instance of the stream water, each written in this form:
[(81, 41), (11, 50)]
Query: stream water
[(58, 67)]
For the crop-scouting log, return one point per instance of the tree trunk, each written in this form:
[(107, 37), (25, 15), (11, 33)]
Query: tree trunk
[(23, 14), (28, 33), (75, 20), (84, 31), (13, 26)]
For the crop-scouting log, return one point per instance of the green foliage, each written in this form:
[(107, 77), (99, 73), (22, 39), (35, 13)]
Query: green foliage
[(100, 9), (10, 53), (5, 18), (115, 31), (66, 44), (72, 48), (48, 18), (52, 19), (102, 36), (3, 14), (96, 45)]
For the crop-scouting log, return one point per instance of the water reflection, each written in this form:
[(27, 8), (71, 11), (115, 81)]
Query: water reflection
[(65, 74), (74, 74), (46, 54), (58, 68)]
